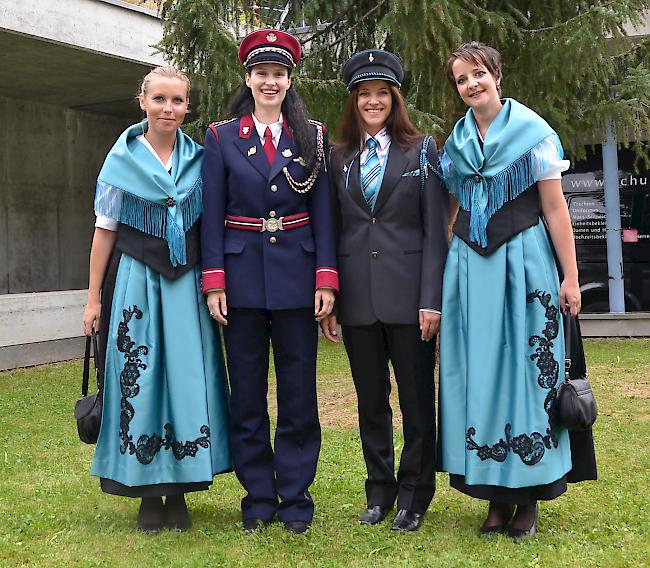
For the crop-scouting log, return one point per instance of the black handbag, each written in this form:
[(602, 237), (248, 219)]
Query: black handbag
[(576, 404), (88, 409)]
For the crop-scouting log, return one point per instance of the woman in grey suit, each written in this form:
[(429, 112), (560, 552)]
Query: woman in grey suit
[(392, 219)]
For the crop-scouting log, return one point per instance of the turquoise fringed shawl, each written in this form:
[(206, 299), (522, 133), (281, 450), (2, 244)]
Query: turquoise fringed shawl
[(134, 188), (518, 149)]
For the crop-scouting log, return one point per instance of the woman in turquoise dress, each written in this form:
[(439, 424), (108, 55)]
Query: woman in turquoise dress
[(164, 426), (502, 348)]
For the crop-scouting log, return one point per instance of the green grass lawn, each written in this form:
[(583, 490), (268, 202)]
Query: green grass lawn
[(52, 513)]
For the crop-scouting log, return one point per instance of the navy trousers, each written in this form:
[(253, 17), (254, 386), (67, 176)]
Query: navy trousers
[(276, 479)]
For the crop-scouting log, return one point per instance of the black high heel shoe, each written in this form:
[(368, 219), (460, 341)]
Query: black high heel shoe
[(506, 510), (518, 534)]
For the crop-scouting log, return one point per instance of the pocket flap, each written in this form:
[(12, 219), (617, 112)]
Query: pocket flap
[(308, 245), (233, 246)]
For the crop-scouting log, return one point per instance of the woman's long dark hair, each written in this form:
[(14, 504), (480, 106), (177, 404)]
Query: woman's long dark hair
[(398, 123), (293, 111)]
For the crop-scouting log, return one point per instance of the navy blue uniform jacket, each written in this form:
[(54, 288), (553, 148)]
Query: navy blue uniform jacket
[(273, 271)]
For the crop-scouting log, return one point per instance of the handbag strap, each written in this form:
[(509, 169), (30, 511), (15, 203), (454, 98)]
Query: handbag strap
[(567, 346), (84, 380), (91, 339)]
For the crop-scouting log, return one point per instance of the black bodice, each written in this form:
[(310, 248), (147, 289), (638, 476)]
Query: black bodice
[(154, 252), (515, 216)]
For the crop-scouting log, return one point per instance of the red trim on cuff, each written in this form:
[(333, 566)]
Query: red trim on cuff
[(212, 278), (327, 276)]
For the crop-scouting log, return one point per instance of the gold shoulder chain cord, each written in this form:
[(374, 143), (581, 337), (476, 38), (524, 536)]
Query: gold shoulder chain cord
[(305, 186)]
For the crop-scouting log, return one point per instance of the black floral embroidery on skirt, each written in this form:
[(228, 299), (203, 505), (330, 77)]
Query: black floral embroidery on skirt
[(531, 448), (147, 446)]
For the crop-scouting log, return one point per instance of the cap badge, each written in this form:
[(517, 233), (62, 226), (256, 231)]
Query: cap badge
[(287, 153), (271, 37), (371, 58), (251, 151), (245, 129)]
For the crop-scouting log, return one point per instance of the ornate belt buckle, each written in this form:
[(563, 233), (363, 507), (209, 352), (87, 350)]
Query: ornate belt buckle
[(272, 225)]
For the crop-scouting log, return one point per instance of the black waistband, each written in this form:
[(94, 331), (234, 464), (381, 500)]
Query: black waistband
[(515, 216), (154, 252)]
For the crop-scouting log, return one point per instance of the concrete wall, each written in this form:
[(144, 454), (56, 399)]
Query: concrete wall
[(110, 27), (40, 328), (49, 160)]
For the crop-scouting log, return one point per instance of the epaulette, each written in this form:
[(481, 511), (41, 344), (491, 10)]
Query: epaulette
[(317, 123), (213, 125)]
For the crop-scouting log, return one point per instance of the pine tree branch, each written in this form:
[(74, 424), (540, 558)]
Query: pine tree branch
[(319, 33), (349, 32), (578, 16), (631, 51), (563, 58)]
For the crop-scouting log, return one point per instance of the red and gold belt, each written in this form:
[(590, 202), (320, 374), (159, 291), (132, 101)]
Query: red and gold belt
[(272, 224)]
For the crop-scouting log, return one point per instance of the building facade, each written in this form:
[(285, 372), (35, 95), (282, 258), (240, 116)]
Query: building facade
[(70, 74)]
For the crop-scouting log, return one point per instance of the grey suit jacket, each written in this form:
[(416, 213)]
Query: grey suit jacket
[(391, 259)]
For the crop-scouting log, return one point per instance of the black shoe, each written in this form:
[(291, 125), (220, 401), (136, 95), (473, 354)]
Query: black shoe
[(254, 524), (518, 534), (506, 512), (373, 515), (406, 521), (151, 516), (493, 529), (177, 517), (297, 527)]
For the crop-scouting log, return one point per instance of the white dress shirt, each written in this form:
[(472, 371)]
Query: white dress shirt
[(276, 130), (383, 145)]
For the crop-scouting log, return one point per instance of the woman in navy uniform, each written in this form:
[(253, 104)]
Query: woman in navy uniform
[(269, 273), (392, 216)]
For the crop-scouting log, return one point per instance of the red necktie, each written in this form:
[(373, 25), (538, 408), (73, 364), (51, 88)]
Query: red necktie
[(269, 148)]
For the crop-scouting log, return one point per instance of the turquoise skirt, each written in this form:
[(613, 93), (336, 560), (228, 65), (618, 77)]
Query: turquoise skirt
[(165, 415), (501, 362)]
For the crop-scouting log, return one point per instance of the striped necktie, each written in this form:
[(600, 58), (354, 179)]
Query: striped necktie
[(370, 172)]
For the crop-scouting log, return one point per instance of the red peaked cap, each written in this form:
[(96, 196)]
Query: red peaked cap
[(270, 46)]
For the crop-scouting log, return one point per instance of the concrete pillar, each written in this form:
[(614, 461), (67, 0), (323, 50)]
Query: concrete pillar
[(613, 221)]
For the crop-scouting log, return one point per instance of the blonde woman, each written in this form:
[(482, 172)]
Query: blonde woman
[(164, 424)]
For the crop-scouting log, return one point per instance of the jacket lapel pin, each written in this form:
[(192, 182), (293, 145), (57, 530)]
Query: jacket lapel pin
[(287, 153), (252, 150), (345, 169), (301, 161), (245, 129)]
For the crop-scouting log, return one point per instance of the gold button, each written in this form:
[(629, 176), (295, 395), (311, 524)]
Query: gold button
[(274, 188), (273, 240), (271, 213), (374, 254), (373, 220)]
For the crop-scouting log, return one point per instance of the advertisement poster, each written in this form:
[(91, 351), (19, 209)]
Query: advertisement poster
[(583, 187)]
